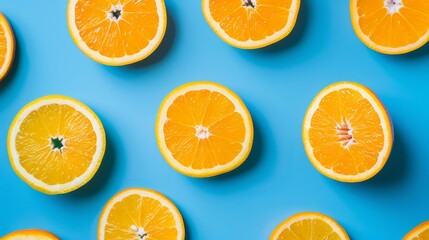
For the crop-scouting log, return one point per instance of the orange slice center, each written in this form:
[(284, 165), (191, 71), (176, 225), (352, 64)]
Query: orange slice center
[(393, 6)]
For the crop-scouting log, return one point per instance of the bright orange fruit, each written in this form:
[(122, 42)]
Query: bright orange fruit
[(117, 32), (347, 132), (309, 226), (30, 234), (7, 46), (138, 213), (204, 129), (421, 232), (251, 24), (391, 26)]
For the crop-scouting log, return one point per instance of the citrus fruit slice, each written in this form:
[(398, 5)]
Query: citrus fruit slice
[(347, 132), (204, 129), (7, 46), (56, 144), (30, 234), (251, 24), (309, 226), (117, 32), (391, 26), (138, 213), (421, 232)]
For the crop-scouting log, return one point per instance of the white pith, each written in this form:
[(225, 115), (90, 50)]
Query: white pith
[(202, 132), (239, 108), (114, 8), (141, 193), (309, 216), (95, 162), (9, 42), (249, 44), (345, 137), (153, 44), (393, 6), (385, 125)]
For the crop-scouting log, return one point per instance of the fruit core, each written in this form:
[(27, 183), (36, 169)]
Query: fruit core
[(345, 134), (57, 143), (202, 132), (140, 233), (115, 13), (249, 3), (393, 6)]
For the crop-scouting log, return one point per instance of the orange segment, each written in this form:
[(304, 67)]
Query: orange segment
[(391, 26), (56, 144), (204, 129), (30, 234), (309, 226), (347, 132), (421, 232), (7, 47), (251, 24), (117, 33), (140, 214)]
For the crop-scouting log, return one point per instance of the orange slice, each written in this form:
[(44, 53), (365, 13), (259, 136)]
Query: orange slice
[(391, 26), (7, 46), (56, 144), (204, 129), (347, 132), (117, 32), (309, 226), (421, 232), (251, 24), (139, 213), (30, 234)]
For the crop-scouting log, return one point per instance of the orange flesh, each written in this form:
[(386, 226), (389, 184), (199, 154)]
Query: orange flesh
[(3, 46), (156, 219), (309, 229), (394, 30), (35, 149), (136, 26), (247, 23), (336, 108), (213, 111), (423, 235)]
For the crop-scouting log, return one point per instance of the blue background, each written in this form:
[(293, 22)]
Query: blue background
[(277, 84)]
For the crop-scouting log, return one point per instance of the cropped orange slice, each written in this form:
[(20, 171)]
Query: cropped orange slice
[(30, 234), (421, 232), (138, 213), (117, 32), (7, 47), (251, 24), (309, 226), (204, 129), (56, 144), (347, 132), (391, 26)]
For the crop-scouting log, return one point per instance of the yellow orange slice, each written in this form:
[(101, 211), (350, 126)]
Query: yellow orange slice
[(421, 232), (204, 129), (7, 46), (56, 144), (30, 234), (138, 213), (117, 32), (347, 132), (251, 24), (391, 26), (309, 226)]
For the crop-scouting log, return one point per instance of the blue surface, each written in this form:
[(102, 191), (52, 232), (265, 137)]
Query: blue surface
[(277, 84)]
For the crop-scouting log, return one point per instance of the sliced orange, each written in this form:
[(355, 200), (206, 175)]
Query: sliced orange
[(139, 213), (347, 132), (30, 234), (7, 46), (56, 144), (204, 129), (117, 32), (309, 226), (251, 24), (421, 232), (391, 26)]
